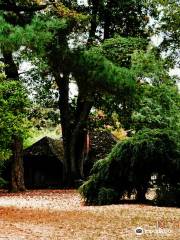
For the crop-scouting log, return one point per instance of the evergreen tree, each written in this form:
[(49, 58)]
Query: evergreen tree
[(12, 14), (13, 125), (47, 40)]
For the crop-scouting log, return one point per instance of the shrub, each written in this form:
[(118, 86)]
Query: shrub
[(168, 195), (89, 190), (130, 165), (107, 196), (96, 195)]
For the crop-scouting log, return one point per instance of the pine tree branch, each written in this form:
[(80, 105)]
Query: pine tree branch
[(15, 8)]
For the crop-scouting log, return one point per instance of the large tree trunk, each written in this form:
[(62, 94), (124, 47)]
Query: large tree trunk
[(63, 84), (107, 20), (78, 140), (93, 24), (74, 132), (73, 124), (17, 171)]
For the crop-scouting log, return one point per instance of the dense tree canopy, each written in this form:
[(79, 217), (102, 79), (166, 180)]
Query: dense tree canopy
[(104, 48)]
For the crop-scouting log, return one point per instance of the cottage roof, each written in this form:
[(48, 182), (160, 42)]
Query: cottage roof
[(46, 147), (101, 143)]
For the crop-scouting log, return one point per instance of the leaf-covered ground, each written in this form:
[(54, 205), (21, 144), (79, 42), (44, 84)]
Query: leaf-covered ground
[(58, 214)]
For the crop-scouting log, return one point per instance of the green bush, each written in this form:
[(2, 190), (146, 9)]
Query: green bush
[(130, 165), (95, 195), (89, 190), (168, 195), (107, 196), (4, 173)]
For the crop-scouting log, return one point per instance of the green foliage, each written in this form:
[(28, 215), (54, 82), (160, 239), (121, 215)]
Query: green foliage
[(94, 71), (158, 107), (35, 36), (147, 67), (168, 27), (89, 190), (127, 18), (13, 103), (42, 31), (9, 35), (3, 183), (35, 135), (113, 68), (3, 155), (130, 165), (156, 102), (119, 49), (107, 196), (168, 195), (67, 13)]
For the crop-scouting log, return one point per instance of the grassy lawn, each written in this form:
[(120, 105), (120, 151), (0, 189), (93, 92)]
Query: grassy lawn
[(57, 214)]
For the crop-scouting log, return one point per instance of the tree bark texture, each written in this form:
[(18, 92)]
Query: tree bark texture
[(63, 84), (78, 140), (73, 122), (17, 169), (74, 132), (93, 24)]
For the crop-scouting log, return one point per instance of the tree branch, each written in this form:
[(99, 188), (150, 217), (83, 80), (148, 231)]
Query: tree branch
[(15, 8)]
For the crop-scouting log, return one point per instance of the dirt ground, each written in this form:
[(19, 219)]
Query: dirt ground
[(58, 214)]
